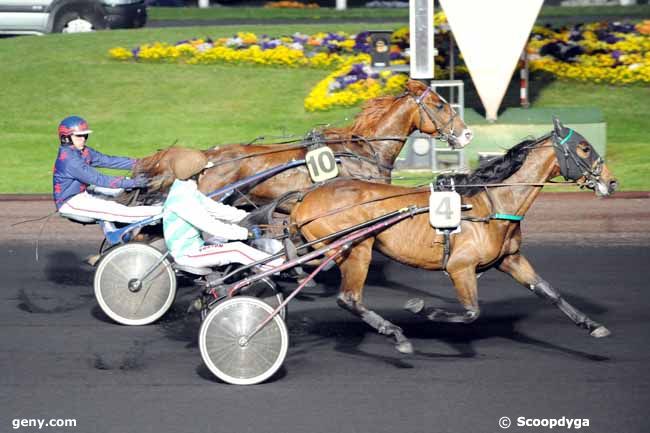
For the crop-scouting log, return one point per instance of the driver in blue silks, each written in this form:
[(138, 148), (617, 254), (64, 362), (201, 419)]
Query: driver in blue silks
[(74, 173)]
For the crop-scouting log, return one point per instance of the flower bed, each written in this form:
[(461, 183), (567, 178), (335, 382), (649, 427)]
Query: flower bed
[(350, 83), (602, 53), (290, 5), (611, 53)]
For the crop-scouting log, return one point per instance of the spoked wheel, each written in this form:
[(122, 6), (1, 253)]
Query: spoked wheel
[(122, 292), (267, 291), (228, 353)]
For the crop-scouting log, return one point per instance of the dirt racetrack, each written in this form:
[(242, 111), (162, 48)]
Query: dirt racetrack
[(578, 218)]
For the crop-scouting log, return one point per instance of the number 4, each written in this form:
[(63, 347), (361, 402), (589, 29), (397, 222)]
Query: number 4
[(444, 208)]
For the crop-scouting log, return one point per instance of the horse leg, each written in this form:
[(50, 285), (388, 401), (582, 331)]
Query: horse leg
[(466, 290), (354, 269), (521, 270)]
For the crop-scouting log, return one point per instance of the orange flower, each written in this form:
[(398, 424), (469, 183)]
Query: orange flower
[(644, 27)]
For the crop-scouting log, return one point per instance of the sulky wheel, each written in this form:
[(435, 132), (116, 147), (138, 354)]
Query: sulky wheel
[(266, 290), (228, 354), (122, 292)]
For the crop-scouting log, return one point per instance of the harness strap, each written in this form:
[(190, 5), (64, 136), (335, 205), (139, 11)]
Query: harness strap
[(446, 248), (565, 139), (507, 217), (301, 224), (352, 155)]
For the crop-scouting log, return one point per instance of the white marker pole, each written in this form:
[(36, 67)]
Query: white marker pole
[(421, 30), (204, 4), (341, 5)]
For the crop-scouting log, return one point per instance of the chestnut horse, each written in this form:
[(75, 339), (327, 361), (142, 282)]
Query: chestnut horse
[(507, 185), (373, 143)]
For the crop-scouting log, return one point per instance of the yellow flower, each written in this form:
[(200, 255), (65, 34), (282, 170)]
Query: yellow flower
[(120, 53)]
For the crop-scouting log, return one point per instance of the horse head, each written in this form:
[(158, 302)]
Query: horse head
[(435, 116), (577, 160), (158, 168)]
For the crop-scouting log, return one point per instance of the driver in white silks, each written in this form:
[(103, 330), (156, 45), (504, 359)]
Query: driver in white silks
[(187, 212)]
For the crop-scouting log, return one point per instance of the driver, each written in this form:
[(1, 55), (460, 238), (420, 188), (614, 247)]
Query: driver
[(187, 212), (74, 176)]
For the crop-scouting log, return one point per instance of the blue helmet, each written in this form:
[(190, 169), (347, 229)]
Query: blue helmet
[(72, 125)]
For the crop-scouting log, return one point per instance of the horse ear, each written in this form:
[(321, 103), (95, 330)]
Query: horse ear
[(414, 86), (557, 125)]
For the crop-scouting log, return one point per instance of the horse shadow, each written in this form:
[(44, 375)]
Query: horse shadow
[(62, 268), (503, 324), (328, 283)]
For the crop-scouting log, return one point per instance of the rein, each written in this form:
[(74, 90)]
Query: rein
[(301, 224), (305, 144), (421, 189)]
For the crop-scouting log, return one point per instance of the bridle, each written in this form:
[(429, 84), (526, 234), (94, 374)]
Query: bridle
[(449, 125), (572, 166)]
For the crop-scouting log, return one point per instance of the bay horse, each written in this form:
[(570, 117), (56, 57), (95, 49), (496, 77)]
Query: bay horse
[(507, 185), (372, 144)]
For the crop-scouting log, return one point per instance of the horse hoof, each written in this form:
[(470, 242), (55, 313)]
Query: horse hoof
[(600, 332), (414, 305), (404, 347)]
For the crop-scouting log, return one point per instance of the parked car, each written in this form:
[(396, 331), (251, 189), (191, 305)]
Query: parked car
[(69, 16)]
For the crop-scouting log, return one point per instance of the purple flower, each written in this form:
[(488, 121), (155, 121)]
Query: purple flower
[(622, 27), (561, 50), (361, 43), (300, 38), (135, 52), (357, 68), (607, 37), (616, 54), (269, 45), (576, 35)]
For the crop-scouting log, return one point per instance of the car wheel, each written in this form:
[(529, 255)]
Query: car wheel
[(77, 22)]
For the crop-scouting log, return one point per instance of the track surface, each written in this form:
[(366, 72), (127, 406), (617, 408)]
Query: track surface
[(61, 357)]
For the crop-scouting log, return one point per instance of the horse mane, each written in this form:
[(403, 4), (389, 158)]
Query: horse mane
[(371, 113), (492, 171), (149, 164), (160, 178)]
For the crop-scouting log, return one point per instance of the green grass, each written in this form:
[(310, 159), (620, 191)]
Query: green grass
[(626, 110), (136, 109), (257, 13), (637, 11)]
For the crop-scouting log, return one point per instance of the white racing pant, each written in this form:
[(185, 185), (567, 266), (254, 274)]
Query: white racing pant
[(222, 254), (85, 206)]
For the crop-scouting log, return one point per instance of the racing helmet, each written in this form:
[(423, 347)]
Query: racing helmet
[(188, 163), (72, 125)]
